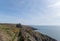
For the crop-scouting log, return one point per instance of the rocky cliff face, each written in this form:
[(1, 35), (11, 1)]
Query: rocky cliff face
[(9, 32), (32, 35)]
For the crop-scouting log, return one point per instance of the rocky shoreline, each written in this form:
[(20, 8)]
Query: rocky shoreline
[(23, 33)]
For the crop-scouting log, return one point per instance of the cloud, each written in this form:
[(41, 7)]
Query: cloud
[(54, 8), (55, 5), (38, 12)]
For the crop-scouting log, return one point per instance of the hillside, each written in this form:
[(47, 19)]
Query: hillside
[(9, 32)]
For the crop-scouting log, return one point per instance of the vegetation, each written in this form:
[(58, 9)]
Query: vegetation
[(13, 32), (10, 30)]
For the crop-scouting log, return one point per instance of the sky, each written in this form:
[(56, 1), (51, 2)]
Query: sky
[(30, 12)]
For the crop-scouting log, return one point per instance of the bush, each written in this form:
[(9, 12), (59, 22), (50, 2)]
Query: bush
[(18, 25)]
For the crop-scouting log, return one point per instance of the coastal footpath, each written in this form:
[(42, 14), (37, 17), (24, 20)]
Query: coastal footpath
[(18, 32)]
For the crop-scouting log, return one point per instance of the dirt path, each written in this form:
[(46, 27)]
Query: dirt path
[(1, 38), (1, 35)]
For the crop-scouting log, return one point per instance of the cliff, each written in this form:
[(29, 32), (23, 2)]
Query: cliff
[(11, 32)]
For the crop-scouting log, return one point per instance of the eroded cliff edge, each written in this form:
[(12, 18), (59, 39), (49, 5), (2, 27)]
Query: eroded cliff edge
[(11, 32)]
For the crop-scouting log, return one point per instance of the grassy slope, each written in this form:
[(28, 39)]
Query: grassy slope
[(8, 32)]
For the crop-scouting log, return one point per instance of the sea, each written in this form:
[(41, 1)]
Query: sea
[(52, 31)]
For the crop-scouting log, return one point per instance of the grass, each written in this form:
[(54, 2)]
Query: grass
[(11, 31)]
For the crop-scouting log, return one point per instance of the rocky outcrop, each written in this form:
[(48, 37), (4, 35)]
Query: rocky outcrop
[(13, 32), (29, 34)]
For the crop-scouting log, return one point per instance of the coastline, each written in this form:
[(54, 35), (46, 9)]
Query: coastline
[(27, 32)]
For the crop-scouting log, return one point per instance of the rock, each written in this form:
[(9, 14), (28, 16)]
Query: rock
[(32, 35), (18, 32)]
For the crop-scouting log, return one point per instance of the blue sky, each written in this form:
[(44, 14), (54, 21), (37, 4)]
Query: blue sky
[(31, 12)]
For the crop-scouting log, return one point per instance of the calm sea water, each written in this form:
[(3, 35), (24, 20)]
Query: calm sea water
[(52, 31)]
